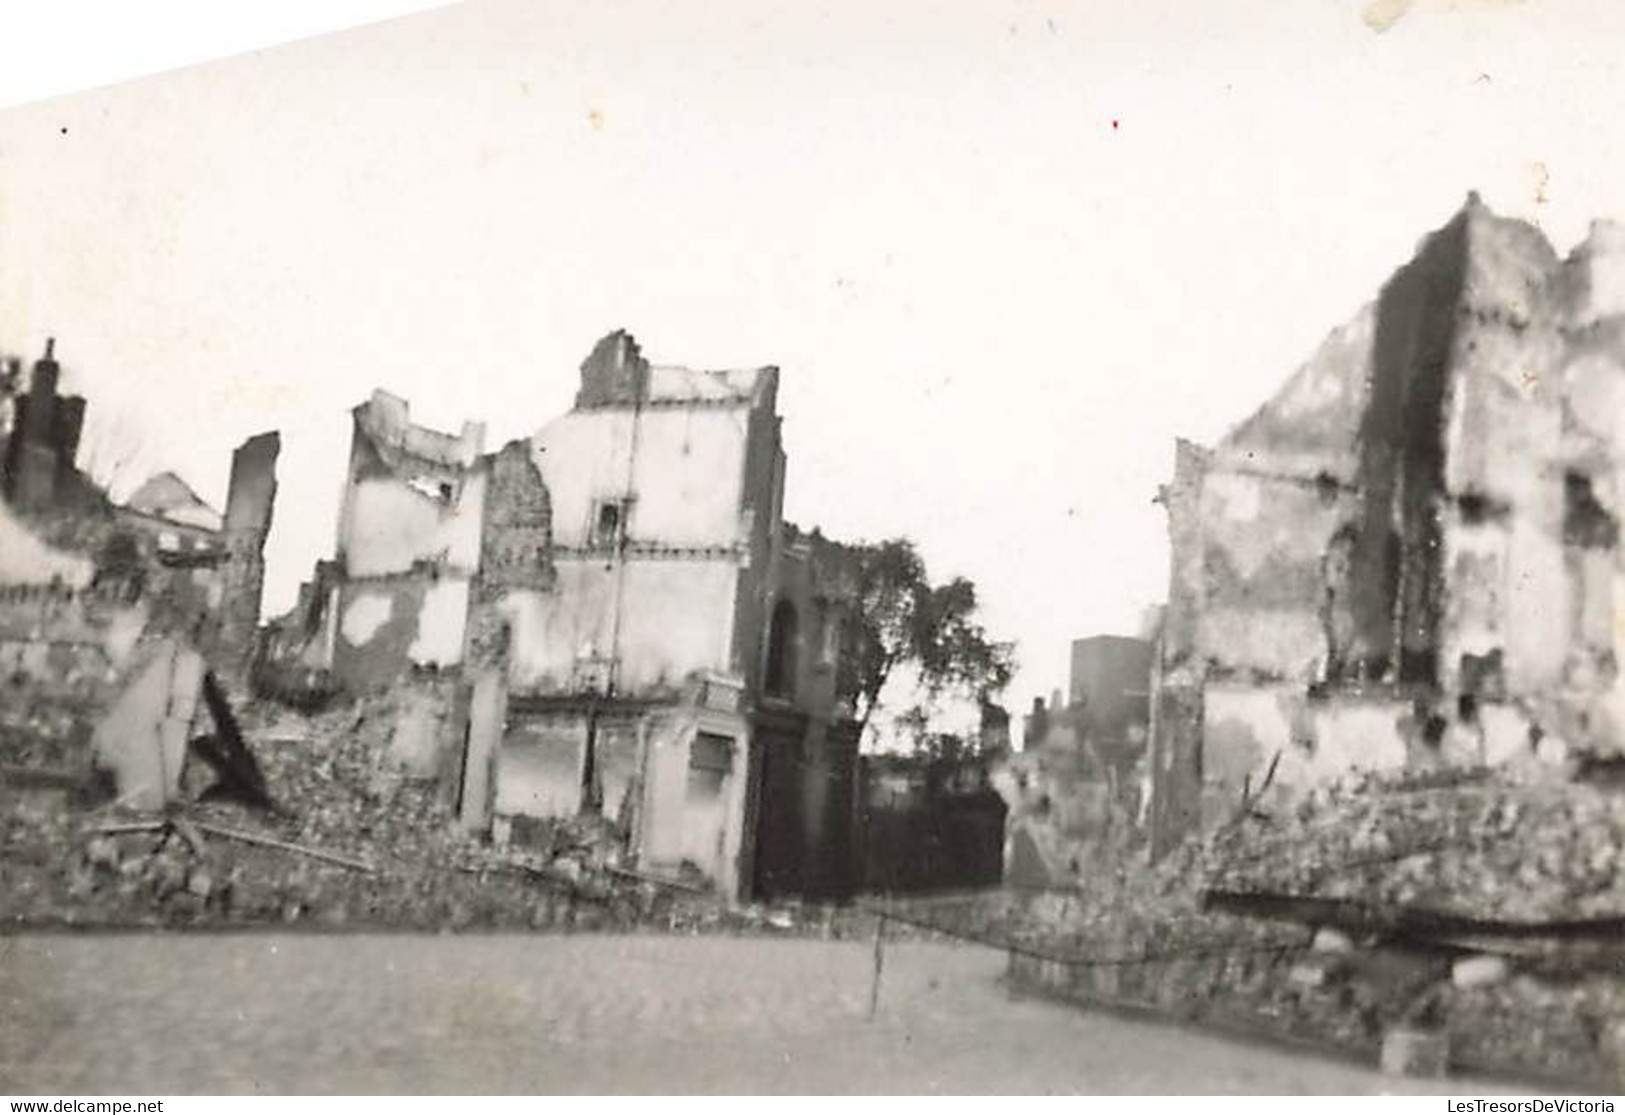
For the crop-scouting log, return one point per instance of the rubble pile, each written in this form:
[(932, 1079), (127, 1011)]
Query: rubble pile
[(1467, 905), (40, 734), (354, 842), (1491, 850)]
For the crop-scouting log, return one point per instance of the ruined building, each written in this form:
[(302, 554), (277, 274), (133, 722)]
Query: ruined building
[(631, 628), (111, 615), (172, 517), (409, 543), (1409, 557)]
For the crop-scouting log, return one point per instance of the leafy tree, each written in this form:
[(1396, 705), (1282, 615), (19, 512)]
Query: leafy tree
[(903, 621)]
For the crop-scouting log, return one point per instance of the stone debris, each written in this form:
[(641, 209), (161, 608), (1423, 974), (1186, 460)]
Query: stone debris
[(1333, 941), (1478, 971), (366, 846), (1408, 1052), (1412, 864), (1495, 851)]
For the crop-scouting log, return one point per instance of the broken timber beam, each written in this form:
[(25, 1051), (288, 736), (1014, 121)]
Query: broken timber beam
[(658, 880), (120, 827), (1409, 921), (50, 777), (288, 846)]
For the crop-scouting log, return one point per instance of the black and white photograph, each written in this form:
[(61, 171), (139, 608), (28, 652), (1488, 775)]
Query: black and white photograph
[(1003, 547)]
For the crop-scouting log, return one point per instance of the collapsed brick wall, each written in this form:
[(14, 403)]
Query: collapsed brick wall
[(615, 372), (516, 549)]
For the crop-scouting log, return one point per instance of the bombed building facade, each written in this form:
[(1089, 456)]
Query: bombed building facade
[(608, 618), (1409, 557)]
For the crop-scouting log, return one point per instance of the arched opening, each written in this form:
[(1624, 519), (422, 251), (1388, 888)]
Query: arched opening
[(781, 651)]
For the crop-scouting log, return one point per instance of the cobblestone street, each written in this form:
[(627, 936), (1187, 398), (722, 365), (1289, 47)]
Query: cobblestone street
[(153, 1014)]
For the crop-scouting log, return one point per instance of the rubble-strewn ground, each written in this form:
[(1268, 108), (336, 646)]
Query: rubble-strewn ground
[(321, 1013), (1475, 848), (65, 862), (1468, 908), (1485, 852)]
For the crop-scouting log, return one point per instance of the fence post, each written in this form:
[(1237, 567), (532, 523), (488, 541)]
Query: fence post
[(880, 960)]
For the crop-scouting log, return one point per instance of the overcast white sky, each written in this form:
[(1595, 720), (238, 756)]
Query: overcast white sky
[(1004, 253)]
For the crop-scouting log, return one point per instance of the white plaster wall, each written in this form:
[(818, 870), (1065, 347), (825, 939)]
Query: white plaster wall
[(1272, 533), (676, 826), (1287, 643), (1595, 385), (1245, 727), (666, 781), (1507, 398), (676, 618), (1241, 729), (1359, 735), (538, 769), (1601, 259), (1538, 602), (390, 525), (1312, 423), (367, 612), (1506, 733), (687, 478), (441, 624), (26, 560)]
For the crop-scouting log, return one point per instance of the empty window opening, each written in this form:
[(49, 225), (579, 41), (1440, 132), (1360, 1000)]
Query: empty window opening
[(781, 651), (1477, 508), (609, 524), (1433, 730), (1327, 488), (1484, 674), (1586, 522)]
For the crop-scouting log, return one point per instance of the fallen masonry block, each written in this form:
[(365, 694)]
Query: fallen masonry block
[(102, 852), (1332, 941), (1308, 975), (200, 883), (142, 738), (1478, 971), (1411, 1052)]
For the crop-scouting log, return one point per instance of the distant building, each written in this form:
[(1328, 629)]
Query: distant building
[(174, 519), (1109, 695), (1074, 792)]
